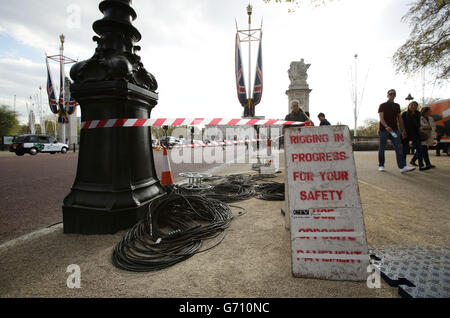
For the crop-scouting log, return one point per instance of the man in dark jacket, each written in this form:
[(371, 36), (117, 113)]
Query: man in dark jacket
[(323, 120), (296, 113)]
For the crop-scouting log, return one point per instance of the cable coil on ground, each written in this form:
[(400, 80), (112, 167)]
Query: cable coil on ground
[(172, 231), (177, 224)]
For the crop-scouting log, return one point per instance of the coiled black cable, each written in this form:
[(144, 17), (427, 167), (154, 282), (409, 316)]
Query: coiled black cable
[(177, 224), (240, 187), (172, 232), (270, 191)]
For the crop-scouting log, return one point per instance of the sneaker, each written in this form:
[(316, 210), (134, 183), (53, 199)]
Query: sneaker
[(406, 169), (380, 168), (424, 168)]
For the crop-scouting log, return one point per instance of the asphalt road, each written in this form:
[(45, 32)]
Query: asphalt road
[(32, 188)]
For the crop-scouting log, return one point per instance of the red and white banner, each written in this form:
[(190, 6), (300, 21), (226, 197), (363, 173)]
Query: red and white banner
[(159, 122)]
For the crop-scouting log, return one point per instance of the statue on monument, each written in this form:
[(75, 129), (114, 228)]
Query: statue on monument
[(298, 74)]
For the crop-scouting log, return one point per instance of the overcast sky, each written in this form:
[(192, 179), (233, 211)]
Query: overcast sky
[(188, 45)]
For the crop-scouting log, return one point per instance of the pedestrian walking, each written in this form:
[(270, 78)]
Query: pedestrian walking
[(323, 120), (411, 122), (390, 120), (428, 127)]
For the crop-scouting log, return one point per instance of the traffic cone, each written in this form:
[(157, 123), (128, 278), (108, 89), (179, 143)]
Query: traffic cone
[(166, 174)]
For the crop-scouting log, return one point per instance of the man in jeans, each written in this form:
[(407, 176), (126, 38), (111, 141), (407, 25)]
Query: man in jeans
[(389, 119)]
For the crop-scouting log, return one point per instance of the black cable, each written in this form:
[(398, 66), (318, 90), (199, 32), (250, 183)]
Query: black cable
[(177, 224), (172, 232), (239, 187), (270, 191)]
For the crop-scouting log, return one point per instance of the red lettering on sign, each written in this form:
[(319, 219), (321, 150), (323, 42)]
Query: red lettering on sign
[(303, 176), (325, 230), (339, 137), (321, 195), (323, 210), (334, 175), (309, 139), (319, 156), (339, 252)]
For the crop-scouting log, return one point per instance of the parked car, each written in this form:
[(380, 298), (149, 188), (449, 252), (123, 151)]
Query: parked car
[(172, 141), (33, 144)]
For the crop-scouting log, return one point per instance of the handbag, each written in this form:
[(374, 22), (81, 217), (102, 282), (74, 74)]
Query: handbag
[(423, 136)]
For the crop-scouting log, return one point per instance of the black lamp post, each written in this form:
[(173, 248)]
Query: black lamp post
[(116, 178)]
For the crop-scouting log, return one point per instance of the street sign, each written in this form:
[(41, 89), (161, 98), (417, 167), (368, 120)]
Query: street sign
[(328, 238)]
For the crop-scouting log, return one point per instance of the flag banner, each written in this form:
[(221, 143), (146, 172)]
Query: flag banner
[(72, 106), (258, 85), (240, 83), (62, 108), (63, 119), (52, 102)]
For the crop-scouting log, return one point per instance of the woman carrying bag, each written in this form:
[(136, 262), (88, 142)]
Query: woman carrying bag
[(427, 132), (411, 121)]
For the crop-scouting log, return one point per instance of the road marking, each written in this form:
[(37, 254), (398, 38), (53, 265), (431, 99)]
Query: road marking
[(371, 185), (32, 235)]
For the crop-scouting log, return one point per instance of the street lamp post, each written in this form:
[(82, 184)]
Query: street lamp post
[(356, 98), (116, 179), (249, 12)]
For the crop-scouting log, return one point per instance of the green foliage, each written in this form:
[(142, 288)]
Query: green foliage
[(429, 42), (9, 124), (23, 129), (369, 129)]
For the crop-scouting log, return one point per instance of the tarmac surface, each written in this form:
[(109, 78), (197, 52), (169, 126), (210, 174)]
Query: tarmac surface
[(254, 260), (32, 188)]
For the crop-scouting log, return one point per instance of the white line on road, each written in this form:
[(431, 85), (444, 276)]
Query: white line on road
[(371, 185)]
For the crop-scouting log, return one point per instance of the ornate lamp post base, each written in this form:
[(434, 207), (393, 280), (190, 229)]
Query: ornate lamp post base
[(116, 179)]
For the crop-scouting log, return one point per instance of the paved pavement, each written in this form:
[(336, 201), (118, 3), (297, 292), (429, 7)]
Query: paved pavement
[(254, 260)]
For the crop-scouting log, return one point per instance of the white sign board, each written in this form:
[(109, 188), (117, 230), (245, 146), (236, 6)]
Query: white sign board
[(326, 221)]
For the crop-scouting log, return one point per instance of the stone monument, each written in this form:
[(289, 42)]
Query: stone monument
[(298, 89)]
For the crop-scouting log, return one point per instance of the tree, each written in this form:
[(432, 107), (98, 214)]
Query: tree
[(9, 124), (429, 42), (369, 129), (24, 129)]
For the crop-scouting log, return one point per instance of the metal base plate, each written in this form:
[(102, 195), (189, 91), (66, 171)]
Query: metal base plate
[(419, 272)]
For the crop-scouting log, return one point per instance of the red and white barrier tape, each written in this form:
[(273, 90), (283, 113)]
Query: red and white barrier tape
[(159, 122)]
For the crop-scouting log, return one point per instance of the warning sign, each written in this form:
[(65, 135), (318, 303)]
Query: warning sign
[(326, 221)]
